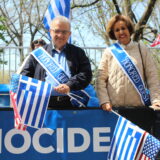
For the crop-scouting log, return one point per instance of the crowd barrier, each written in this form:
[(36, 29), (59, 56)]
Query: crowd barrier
[(67, 135)]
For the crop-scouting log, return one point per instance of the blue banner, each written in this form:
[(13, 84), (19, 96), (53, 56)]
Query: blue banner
[(67, 135), (4, 95)]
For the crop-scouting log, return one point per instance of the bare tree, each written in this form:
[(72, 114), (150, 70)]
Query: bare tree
[(23, 20), (142, 24), (99, 14)]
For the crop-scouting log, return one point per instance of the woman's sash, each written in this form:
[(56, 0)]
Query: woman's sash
[(78, 98), (131, 71)]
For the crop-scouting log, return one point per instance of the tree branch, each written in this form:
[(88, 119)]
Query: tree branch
[(84, 5), (143, 20), (128, 10), (116, 6)]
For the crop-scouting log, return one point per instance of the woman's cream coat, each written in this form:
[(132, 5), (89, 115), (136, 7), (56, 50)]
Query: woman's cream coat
[(113, 86)]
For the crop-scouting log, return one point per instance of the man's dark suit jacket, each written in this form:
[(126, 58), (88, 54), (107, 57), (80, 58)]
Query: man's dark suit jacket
[(78, 63)]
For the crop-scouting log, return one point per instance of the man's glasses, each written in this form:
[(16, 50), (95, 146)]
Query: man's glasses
[(57, 31)]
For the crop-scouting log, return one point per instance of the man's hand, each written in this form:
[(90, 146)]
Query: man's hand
[(62, 88), (107, 106)]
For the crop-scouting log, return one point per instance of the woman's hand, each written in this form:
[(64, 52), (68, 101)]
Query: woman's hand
[(156, 106), (107, 106)]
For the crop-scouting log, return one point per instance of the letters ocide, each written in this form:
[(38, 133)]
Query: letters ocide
[(98, 136)]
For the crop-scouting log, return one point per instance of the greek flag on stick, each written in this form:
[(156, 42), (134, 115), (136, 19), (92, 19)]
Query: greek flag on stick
[(129, 142), (32, 97), (125, 141), (55, 8)]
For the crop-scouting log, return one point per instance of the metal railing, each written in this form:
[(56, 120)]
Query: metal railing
[(11, 55)]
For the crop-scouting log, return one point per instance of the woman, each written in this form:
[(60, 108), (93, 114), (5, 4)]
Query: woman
[(37, 43), (113, 85)]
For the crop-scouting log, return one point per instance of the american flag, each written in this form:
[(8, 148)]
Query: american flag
[(129, 142), (13, 97), (148, 148), (156, 41), (30, 97), (55, 8)]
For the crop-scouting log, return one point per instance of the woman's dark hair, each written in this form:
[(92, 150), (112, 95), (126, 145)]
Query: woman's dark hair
[(114, 20), (37, 42)]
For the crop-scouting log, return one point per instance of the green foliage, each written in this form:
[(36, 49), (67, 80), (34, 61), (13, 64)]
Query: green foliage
[(2, 29), (4, 77)]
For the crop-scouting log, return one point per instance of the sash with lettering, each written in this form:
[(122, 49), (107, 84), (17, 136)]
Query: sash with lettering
[(79, 98), (131, 72)]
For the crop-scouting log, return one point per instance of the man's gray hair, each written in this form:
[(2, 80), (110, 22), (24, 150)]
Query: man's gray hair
[(62, 19)]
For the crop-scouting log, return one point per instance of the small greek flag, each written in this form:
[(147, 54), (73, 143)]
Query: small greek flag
[(125, 141), (32, 97), (129, 142)]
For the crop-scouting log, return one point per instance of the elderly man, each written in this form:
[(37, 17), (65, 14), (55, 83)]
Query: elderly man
[(70, 57)]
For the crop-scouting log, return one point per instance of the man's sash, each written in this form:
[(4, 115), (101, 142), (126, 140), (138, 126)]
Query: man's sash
[(131, 71), (78, 98)]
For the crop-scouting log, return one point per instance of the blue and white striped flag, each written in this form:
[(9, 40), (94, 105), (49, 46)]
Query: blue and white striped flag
[(129, 142), (55, 8), (125, 141), (32, 97)]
